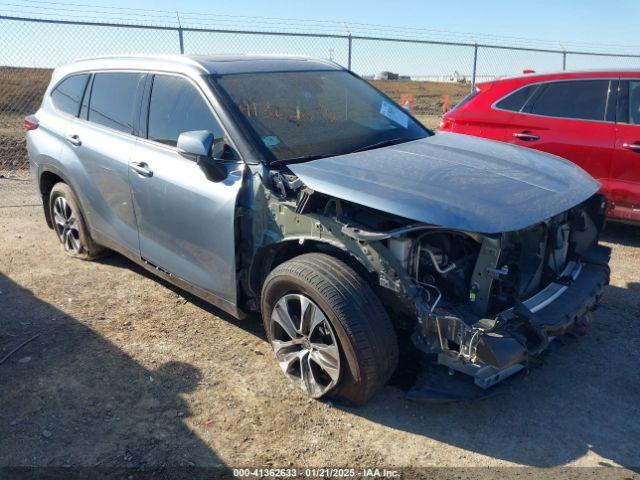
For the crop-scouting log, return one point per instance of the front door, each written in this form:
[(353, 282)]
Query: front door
[(185, 222), (624, 194)]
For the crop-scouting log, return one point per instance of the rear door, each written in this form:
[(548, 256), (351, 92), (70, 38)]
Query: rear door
[(101, 141), (572, 119), (185, 222), (624, 191), (65, 98)]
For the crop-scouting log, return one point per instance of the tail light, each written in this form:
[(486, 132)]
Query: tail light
[(31, 122), (446, 124)]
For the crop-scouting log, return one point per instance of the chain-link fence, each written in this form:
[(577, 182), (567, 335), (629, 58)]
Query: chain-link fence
[(425, 75)]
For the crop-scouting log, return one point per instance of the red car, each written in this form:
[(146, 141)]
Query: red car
[(589, 118)]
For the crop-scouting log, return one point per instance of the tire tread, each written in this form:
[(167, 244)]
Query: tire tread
[(360, 313)]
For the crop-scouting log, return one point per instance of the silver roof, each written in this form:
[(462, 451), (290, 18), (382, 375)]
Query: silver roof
[(224, 64), (200, 64)]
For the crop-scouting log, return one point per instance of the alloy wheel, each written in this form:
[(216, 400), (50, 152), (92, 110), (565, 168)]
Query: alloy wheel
[(305, 344), (66, 225)]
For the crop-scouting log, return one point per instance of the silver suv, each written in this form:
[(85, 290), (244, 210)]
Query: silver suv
[(291, 187)]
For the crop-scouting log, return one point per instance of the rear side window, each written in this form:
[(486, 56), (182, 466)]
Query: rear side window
[(634, 102), (582, 100), (628, 108), (67, 96), (112, 100), (518, 99), (177, 107)]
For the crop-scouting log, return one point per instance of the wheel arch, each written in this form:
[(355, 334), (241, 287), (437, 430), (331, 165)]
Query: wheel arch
[(48, 176), (270, 256)]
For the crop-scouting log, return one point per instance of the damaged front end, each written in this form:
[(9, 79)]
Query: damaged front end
[(490, 302), (482, 304)]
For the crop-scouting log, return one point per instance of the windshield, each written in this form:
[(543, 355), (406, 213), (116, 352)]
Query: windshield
[(304, 115)]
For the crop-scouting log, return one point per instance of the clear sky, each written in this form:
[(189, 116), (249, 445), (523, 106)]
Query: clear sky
[(589, 21), (578, 25)]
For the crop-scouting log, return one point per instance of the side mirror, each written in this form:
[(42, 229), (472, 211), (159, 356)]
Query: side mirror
[(197, 146)]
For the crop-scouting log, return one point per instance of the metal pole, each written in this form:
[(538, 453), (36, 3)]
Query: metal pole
[(180, 34), (564, 60), (475, 64), (349, 57)]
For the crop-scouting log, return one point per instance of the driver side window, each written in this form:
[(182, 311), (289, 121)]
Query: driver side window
[(176, 107)]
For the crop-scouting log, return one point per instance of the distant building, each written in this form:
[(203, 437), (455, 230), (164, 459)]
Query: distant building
[(455, 78), (386, 76)]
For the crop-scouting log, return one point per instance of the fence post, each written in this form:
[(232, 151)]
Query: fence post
[(349, 53), (475, 65), (564, 60), (180, 36), (181, 40)]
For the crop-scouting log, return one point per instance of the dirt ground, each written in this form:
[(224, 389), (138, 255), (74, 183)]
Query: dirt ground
[(428, 97), (128, 371)]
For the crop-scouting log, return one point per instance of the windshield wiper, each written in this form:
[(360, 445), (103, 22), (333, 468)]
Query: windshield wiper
[(304, 158), (386, 143)]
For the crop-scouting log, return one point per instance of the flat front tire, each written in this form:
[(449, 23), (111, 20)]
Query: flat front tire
[(330, 333)]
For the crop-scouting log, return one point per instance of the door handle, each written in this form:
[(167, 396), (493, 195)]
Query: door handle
[(635, 147), (141, 169), (74, 140), (526, 137)]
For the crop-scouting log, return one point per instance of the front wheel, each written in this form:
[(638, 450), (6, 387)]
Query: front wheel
[(329, 332)]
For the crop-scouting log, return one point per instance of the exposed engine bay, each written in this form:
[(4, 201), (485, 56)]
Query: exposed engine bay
[(482, 304), (490, 297)]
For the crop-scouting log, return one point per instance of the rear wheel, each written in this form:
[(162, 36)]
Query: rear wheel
[(69, 224), (329, 331)]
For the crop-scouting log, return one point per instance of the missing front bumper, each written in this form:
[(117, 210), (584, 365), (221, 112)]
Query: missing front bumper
[(495, 349)]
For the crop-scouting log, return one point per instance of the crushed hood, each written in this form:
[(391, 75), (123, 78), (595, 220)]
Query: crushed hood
[(454, 181)]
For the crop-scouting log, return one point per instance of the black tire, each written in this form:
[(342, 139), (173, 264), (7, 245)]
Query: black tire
[(86, 249), (366, 338)]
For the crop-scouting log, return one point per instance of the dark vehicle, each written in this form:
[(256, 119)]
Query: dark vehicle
[(291, 187)]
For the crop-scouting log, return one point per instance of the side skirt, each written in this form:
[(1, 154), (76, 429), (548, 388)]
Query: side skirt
[(205, 295)]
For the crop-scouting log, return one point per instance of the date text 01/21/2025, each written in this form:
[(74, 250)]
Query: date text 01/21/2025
[(315, 473)]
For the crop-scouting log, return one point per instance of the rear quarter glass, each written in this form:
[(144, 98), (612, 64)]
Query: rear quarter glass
[(466, 99), (67, 95), (516, 100)]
